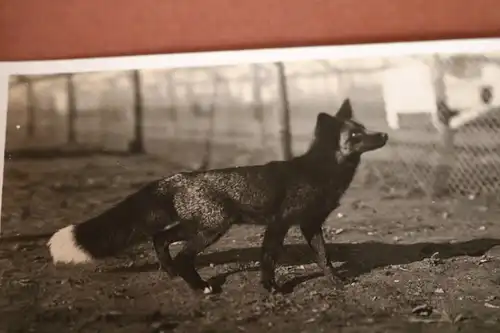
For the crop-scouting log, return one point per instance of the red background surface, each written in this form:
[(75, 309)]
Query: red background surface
[(54, 29)]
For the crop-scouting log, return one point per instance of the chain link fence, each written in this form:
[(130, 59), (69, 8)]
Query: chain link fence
[(453, 146), (441, 114)]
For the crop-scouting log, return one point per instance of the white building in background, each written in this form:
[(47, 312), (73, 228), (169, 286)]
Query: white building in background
[(408, 88)]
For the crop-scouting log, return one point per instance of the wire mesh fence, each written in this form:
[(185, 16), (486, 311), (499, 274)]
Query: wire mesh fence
[(233, 115)]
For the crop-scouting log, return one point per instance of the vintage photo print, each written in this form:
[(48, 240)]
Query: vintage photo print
[(279, 194)]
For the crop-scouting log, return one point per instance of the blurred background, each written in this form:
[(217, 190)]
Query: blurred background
[(441, 112)]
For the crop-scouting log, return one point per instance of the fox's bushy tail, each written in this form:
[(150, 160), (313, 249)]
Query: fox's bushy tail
[(106, 234)]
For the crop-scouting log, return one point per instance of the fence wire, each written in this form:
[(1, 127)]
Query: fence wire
[(236, 111)]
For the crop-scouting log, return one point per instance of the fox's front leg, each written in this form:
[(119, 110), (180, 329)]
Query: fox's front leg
[(272, 244), (161, 244), (313, 233)]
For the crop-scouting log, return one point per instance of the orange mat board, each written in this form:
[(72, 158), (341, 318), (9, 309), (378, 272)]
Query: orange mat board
[(33, 29)]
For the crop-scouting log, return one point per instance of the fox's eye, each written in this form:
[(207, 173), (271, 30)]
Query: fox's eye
[(355, 134)]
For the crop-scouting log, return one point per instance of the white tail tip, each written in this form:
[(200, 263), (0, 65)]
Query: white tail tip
[(64, 249)]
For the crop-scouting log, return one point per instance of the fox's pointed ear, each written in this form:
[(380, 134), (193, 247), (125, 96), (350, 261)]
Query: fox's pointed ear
[(324, 121), (323, 118), (345, 110)]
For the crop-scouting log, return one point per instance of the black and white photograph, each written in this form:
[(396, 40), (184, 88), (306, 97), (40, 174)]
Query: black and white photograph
[(355, 194)]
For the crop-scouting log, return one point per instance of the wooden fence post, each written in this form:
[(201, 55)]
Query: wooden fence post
[(31, 108), (446, 134), (344, 87), (286, 136), (206, 160), (137, 144), (258, 106), (172, 100), (4, 85), (71, 108)]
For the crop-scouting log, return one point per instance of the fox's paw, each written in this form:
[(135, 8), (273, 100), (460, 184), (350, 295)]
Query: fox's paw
[(208, 290)]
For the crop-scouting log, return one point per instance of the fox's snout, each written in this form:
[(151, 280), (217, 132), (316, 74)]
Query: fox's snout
[(376, 136), (374, 140), (383, 137)]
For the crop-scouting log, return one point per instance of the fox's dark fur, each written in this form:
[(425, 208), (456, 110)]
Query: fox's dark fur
[(199, 207)]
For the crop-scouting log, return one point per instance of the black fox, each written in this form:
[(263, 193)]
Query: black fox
[(199, 207)]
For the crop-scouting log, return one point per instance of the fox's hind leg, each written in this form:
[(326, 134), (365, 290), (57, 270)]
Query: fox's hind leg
[(213, 220), (184, 262), (161, 243), (205, 218)]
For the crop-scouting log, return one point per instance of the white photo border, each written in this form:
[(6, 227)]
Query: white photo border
[(216, 58)]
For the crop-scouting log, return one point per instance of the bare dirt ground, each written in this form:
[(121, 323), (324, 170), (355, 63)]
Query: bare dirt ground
[(410, 264)]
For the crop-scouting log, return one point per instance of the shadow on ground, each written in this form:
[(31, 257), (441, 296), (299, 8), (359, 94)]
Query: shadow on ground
[(358, 258), (25, 238), (63, 317)]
